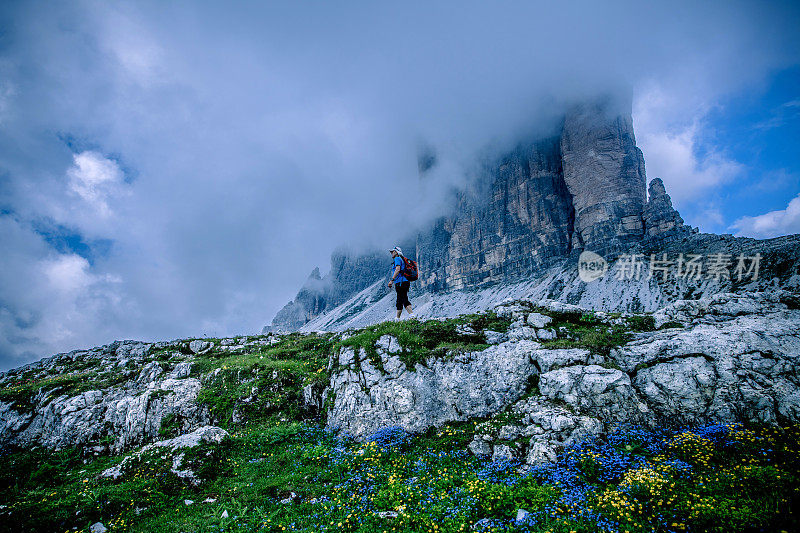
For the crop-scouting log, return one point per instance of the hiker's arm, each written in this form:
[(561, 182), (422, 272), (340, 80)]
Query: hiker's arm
[(396, 272)]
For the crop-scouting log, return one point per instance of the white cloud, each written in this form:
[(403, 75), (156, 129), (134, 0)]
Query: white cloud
[(67, 273), (669, 132), (772, 224), (96, 179), (49, 301), (781, 115)]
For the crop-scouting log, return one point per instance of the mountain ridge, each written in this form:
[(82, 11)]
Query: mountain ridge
[(535, 210)]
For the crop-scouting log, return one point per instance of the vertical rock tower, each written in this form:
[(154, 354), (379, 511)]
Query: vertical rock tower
[(604, 173), (583, 189)]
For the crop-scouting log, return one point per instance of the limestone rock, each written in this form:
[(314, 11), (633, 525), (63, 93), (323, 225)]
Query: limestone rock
[(198, 346), (480, 446), (548, 360), (205, 434), (546, 334), (538, 320), (659, 215), (468, 385), (604, 172), (551, 427), (130, 411), (494, 337), (605, 393), (721, 306), (736, 361), (502, 452)]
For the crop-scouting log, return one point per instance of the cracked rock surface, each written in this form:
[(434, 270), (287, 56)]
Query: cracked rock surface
[(734, 358), (130, 396)]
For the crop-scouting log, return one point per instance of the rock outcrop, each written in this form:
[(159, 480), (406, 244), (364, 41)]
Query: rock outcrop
[(176, 448), (659, 215), (726, 358), (470, 385), (130, 396)]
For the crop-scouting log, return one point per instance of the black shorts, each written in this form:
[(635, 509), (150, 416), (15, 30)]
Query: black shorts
[(402, 294)]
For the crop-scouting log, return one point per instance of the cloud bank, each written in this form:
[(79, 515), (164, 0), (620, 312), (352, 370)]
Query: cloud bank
[(176, 169), (772, 224)]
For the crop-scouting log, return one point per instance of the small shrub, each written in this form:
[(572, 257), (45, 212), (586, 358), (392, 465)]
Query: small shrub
[(170, 426), (642, 322)]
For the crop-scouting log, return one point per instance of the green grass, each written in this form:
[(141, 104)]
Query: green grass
[(421, 340), (597, 339), (641, 322), (577, 329), (170, 426), (263, 383)]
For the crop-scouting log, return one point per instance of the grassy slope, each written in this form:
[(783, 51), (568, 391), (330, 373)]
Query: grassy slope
[(724, 479)]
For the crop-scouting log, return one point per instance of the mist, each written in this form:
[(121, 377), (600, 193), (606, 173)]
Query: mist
[(177, 169)]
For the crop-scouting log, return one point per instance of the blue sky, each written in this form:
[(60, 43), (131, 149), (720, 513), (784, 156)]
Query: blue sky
[(761, 129), (732, 165), (751, 136), (177, 169)]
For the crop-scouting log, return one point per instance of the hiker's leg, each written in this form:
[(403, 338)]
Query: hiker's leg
[(402, 299), (399, 303)]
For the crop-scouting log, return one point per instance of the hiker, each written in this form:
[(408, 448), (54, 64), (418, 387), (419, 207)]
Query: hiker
[(401, 283)]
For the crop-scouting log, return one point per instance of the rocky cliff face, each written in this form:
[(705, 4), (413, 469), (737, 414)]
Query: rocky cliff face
[(604, 172), (520, 222), (520, 233), (581, 189), (660, 218)]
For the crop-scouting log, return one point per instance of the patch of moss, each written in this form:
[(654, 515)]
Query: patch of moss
[(419, 340), (450, 436), (561, 403), (269, 390), (160, 393), (599, 339), (610, 363), (489, 320), (641, 322), (170, 426)]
